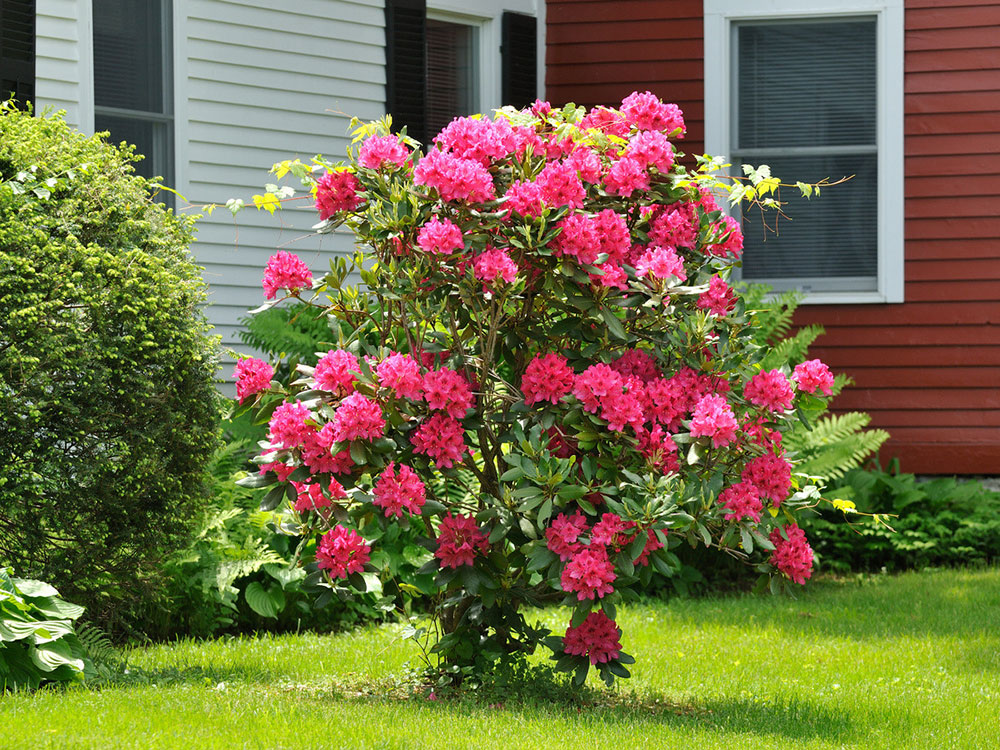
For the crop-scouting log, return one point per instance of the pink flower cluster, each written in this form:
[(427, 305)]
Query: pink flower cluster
[(661, 263), (792, 556), (525, 198), (578, 239), (651, 149), (311, 496), (771, 390), (401, 373), (337, 191), (589, 574), (495, 264), (719, 299), (454, 178), (561, 536), (813, 375), (440, 237), (741, 501), (732, 241), (713, 417), (399, 491), (459, 541), (342, 551), (548, 377), (334, 372), (382, 151), (252, 376), (287, 426), (646, 112), (447, 390), (675, 225), (358, 418), (597, 638), (442, 438), (771, 475), (560, 185), (285, 270)]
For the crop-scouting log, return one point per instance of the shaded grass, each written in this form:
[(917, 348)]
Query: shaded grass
[(910, 661)]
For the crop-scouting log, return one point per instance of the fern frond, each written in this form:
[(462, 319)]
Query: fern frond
[(793, 349), (836, 444)]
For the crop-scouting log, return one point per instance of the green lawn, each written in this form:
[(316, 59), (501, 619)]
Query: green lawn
[(903, 662)]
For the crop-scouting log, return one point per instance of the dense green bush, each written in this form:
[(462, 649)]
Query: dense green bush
[(108, 408), (939, 522)]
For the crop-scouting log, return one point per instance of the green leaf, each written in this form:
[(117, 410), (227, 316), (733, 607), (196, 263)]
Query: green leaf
[(28, 587), (50, 656), (266, 603)]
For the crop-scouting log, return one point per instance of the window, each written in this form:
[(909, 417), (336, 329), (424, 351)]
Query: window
[(133, 91), (17, 50), (815, 93), (442, 60)]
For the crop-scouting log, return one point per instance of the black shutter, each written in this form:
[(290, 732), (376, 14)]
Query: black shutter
[(406, 65), (17, 50), (520, 59)]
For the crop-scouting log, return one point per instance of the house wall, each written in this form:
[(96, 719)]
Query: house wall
[(928, 370)]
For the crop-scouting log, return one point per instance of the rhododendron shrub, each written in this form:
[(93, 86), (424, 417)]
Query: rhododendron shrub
[(546, 379)]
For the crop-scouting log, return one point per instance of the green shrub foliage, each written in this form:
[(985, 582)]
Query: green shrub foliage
[(108, 409)]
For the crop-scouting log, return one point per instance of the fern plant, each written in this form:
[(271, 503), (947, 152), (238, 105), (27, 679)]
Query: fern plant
[(836, 443)]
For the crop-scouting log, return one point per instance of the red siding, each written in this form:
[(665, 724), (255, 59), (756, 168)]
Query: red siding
[(927, 370)]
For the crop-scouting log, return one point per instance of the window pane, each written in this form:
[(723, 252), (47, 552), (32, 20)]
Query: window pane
[(833, 236), (128, 54), (149, 139), (451, 73), (806, 84)]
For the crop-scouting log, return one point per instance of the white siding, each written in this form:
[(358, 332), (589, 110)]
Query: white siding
[(256, 85), (63, 77)]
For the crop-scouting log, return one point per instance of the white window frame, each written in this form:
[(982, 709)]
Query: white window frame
[(486, 16), (720, 15)]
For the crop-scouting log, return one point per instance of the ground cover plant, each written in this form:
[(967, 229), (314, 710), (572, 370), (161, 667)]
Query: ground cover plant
[(108, 407), (545, 332), (867, 662)]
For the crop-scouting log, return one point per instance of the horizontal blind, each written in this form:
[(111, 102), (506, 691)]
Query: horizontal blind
[(806, 106), (451, 73)]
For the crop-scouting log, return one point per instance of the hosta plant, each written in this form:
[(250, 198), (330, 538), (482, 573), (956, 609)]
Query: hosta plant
[(545, 375)]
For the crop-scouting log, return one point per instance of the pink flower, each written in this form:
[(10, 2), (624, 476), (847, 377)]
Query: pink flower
[(613, 234), (714, 418), (337, 191), (658, 448), (626, 176), (548, 377), (437, 236), (589, 574), (637, 363), (611, 276), (792, 556), (675, 225), (732, 241), (311, 496), (771, 390), (446, 389), (771, 475), (578, 238), (333, 372), (342, 551), (707, 201), (719, 299), (667, 400), (586, 163), (477, 139), (651, 149), (494, 263), (597, 638), (525, 198), (287, 426), (454, 178), (281, 469), (812, 375), (317, 456), (401, 373), (561, 536), (741, 501), (646, 112), (661, 263), (607, 121), (399, 491), (285, 270), (623, 406), (356, 418), (459, 541), (381, 151), (593, 384), (560, 185), (613, 531), (253, 376), (442, 438)]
